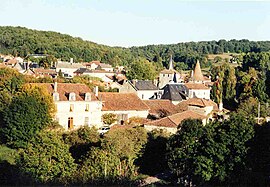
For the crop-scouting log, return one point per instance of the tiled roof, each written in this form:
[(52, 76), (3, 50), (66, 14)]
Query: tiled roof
[(143, 85), (198, 76), (42, 70), (196, 86), (174, 120), (157, 105), (174, 92), (65, 88), (167, 71), (183, 106), (121, 101), (69, 65)]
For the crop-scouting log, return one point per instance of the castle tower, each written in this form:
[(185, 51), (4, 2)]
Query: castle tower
[(198, 76)]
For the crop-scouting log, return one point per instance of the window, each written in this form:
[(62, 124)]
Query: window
[(72, 96), (71, 107), (87, 97), (87, 107), (70, 123), (168, 75), (86, 120), (142, 96)]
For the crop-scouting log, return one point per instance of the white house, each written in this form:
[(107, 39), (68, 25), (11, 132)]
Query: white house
[(67, 68), (143, 89), (195, 90), (75, 104), (102, 74), (124, 105)]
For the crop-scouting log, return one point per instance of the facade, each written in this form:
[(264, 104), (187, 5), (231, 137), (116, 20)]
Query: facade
[(67, 68), (195, 90), (103, 75), (124, 105), (145, 90), (76, 105)]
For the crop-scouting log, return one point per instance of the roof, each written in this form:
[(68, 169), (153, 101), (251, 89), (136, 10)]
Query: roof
[(196, 86), (82, 70), (69, 65), (183, 106), (114, 101), (167, 71), (174, 92), (42, 70), (143, 85), (174, 120), (157, 105), (198, 76), (103, 65), (65, 88)]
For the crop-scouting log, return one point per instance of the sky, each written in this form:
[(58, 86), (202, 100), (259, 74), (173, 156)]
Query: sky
[(129, 23)]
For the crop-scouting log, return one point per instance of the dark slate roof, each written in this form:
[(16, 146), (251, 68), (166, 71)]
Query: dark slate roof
[(174, 92), (144, 85), (82, 70)]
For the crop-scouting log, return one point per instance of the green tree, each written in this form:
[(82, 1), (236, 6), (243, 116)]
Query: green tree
[(29, 112), (142, 70), (46, 159)]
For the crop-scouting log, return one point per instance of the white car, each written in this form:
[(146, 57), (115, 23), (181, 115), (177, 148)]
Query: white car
[(103, 129)]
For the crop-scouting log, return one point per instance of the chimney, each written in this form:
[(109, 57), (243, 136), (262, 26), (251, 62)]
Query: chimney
[(71, 60), (96, 91), (55, 87)]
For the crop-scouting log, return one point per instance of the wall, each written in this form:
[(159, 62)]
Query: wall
[(168, 129), (204, 94), (79, 113)]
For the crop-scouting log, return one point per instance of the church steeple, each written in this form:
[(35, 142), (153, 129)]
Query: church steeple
[(198, 76), (171, 64)]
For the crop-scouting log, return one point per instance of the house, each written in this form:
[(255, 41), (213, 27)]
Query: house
[(171, 123), (170, 75), (195, 90), (105, 67), (102, 74), (67, 68), (75, 104), (175, 93), (160, 108), (124, 105), (201, 106), (143, 89), (92, 65), (41, 72)]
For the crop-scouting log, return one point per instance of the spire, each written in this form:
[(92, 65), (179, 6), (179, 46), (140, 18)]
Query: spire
[(198, 76), (171, 64)]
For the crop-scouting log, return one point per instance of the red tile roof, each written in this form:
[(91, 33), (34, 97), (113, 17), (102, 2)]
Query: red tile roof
[(164, 104), (65, 88), (196, 86), (174, 120), (121, 101), (183, 106)]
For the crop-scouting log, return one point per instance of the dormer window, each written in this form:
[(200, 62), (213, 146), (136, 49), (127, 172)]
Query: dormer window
[(72, 96), (87, 96), (55, 96)]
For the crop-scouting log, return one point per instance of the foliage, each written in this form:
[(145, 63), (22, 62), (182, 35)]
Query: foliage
[(35, 108), (81, 140), (109, 118), (46, 159), (142, 70), (153, 160), (211, 154)]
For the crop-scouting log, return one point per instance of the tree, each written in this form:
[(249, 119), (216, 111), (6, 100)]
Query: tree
[(214, 155), (142, 69), (29, 112), (47, 160), (109, 118)]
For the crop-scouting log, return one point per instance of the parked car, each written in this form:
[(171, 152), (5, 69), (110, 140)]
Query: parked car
[(103, 129)]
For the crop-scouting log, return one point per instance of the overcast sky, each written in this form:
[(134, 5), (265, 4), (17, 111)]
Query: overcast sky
[(142, 22)]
